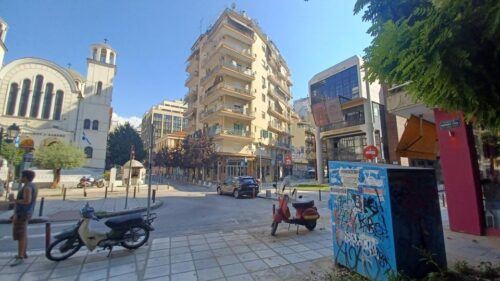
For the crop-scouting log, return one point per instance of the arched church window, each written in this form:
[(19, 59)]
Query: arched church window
[(86, 124), (94, 54), (25, 95), (88, 151), (95, 125), (37, 94), (47, 100), (103, 55), (59, 103), (112, 58), (99, 88), (11, 103)]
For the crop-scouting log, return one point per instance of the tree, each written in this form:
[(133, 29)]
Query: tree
[(448, 51), (198, 151), (59, 156), (12, 154), (119, 142)]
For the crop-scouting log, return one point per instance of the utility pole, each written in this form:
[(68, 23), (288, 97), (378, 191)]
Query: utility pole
[(150, 160), (132, 154)]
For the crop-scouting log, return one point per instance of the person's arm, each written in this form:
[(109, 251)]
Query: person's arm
[(26, 197)]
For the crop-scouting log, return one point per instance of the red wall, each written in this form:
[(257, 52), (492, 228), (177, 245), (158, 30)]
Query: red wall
[(461, 175)]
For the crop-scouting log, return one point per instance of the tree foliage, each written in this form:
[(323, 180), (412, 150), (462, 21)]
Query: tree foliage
[(448, 51), (59, 156), (12, 154), (198, 151), (119, 142)]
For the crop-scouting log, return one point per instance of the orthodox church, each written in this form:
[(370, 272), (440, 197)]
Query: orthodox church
[(52, 104)]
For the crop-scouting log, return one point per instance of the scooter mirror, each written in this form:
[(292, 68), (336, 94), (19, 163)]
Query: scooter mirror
[(274, 185)]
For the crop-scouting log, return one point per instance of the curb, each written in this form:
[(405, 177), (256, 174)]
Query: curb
[(105, 215)]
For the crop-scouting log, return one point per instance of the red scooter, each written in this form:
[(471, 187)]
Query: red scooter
[(306, 213)]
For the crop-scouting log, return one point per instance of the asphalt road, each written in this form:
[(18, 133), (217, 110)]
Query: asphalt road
[(200, 212)]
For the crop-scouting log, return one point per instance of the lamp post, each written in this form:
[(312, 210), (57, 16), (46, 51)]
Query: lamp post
[(260, 159), (11, 134)]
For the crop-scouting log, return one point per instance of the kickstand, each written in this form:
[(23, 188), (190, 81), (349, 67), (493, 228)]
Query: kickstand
[(110, 249), (297, 230)]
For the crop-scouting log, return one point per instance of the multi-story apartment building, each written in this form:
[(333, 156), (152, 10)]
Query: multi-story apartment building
[(168, 121), (348, 112), (239, 93), (303, 108)]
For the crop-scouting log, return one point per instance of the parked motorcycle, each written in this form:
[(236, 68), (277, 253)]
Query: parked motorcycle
[(89, 181), (306, 213), (129, 231)]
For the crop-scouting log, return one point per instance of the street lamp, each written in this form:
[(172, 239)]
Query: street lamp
[(260, 159), (12, 133)]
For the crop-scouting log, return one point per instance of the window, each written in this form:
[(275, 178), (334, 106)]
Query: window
[(167, 124), (88, 152), (11, 104), (184, 123), (95, 125), (263, 82), (263, 115), (25, 95), (47, 100), (177, 124), (264, 97), (86, 124), (37, 94), (99, 88), (94, 54), (264, 134), (112, 58), (103, 55), (59, 103)]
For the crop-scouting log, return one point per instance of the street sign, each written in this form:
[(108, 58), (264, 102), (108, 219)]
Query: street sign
[(16, 142), (370, 152), (288, 159)]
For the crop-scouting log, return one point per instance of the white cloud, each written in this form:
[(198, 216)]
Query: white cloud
[(120, 120)]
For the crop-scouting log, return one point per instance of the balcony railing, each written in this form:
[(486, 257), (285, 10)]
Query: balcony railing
[(238, 68), (229, 108), (227, 86), (276, 125), (342, 124), (218, 130), (224, 43), (279, 143)]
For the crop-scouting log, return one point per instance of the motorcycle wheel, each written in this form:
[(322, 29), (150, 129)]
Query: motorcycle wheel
[(310, 225), (100, 184), (219, 191), (55, 248), (135, 237), (274, 227)]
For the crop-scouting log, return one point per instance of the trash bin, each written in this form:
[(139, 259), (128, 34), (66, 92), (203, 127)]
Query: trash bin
[(385, 219)]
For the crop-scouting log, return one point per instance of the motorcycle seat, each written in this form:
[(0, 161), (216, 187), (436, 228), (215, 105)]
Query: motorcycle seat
[(124, 221), (301, 204)]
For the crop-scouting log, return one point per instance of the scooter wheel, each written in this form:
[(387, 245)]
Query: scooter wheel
[(274, 227), (62, 249), (311, 225)]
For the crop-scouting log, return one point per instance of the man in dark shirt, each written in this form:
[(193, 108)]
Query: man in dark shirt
[(24, 207)]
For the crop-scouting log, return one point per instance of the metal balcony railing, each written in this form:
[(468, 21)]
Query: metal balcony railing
[(230, 108), (342, 124), (218, 130)]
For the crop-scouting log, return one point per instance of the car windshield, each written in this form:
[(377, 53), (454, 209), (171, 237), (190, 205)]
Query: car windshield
[(247, 180)]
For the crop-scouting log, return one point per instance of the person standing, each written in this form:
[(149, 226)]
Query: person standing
[(23, 210)]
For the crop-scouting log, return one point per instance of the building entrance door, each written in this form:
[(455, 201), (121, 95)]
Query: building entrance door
[(235, 169)]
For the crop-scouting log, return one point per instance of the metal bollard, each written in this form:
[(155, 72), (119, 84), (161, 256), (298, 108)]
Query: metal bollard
[(135, 186), (112, 185), (253, 193), (62, 190), (64, 193), (154, 195), (40, 213), (47, 235), (84, 192), (319, 190), (274, 209), (106, 192)]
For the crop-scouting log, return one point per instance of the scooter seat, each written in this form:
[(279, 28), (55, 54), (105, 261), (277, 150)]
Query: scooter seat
[(124, 221), (303, 204)]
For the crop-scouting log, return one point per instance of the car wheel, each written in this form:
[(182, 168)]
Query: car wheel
[(236, 194), (219, 191)]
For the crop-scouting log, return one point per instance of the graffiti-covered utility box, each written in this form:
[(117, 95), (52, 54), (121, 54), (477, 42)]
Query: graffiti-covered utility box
[(385, 218)]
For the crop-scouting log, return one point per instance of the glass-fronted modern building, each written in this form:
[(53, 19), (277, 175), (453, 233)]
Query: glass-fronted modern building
[(349, 113), (168, 118)]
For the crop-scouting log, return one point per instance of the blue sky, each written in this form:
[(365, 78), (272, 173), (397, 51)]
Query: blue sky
[(153, 38)]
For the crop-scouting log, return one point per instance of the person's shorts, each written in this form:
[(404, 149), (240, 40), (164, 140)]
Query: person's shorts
[(19, 227)]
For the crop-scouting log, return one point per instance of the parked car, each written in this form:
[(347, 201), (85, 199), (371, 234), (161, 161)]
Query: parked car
[(239, 186)]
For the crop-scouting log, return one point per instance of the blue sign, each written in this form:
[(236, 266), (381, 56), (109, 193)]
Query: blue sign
[(16, 142)]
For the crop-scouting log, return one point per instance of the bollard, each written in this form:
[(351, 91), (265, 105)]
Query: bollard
[(442, 198), (62, 190), (274, 209), (319, 190), (47, 235), (154, 195), (112, 185), (64, 193), (253, 193), (134, 190), (40, 213), (106, 192)]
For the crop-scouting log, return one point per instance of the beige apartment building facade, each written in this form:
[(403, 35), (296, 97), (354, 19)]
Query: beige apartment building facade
[(168, 123), (239, 94)]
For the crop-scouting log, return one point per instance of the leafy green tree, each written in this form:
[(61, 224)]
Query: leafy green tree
[(59, 156), (119, 142), (198, 152), (12, 154), (447, 50)]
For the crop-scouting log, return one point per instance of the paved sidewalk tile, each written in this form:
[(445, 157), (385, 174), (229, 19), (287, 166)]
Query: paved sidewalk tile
[(242, 277), (181, 267), (152, 272), (186, 276), (210, 274), (205, 263), (256, 265), (233, 269), (225, 260), (248, 256)]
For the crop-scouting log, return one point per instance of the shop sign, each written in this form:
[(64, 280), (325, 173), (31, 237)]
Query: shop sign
[(449, 124)]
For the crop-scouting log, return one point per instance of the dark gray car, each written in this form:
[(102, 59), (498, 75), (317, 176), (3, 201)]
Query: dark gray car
[(239, 186)]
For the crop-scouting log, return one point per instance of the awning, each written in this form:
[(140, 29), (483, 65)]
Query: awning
[(419, 140)]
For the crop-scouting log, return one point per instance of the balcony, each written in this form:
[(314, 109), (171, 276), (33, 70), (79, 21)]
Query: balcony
[(278, 114), (218, 133), (276, 127), (191, 97), (280, 144), (231, 69), (238, 34), (228, 111), (400, 103), (191, 78), (343, 126), (278, 95), (237, 52), (189, 112), (225, 89), (282, 88)]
